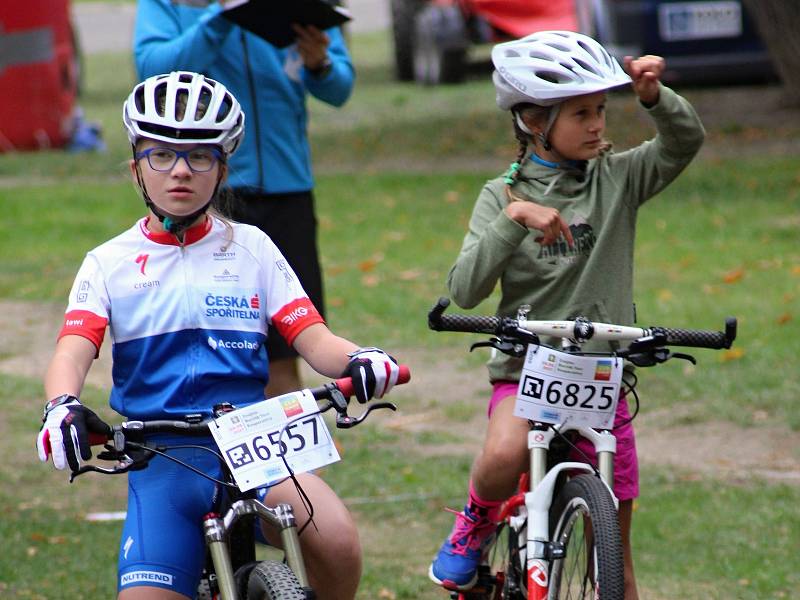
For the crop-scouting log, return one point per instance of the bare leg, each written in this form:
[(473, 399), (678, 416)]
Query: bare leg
[(625, 517), (284, 377), (504, 455), (331, 550)]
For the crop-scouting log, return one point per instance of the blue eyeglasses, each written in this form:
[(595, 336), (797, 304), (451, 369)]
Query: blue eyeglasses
[(199, 160)]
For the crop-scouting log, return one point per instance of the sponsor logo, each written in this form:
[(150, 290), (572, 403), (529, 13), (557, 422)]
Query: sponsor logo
[(149, 576), (232, 344), (226, 276), (294, 316), (602, 372), (142, 261), (147, 284), (512, 80), (126, 548), (550, 363), (291, 406), (284, 268), (224, 255), (233, 307), (83, 291), (73, 323)]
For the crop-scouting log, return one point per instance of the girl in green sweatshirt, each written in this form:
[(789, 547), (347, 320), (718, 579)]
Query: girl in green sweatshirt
[(557, 231)]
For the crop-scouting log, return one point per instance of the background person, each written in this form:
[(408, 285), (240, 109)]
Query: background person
[(557, 231), (271, 175), (161, 288)]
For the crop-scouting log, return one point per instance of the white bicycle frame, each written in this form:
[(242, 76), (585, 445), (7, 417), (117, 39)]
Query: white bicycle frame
[(536, 514)]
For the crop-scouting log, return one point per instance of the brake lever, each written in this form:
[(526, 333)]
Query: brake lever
[(505, 346), (125, 465), (654, 356), (345, 421)]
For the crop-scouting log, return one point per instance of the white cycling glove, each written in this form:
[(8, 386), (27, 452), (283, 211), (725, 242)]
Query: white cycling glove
[(373, 372), (65, 432)]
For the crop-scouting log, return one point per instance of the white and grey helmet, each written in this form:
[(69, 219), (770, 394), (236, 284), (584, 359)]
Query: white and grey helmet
[(184, 108), (548, 67)]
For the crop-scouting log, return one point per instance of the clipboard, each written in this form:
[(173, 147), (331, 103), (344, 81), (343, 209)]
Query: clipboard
[(272, 19)]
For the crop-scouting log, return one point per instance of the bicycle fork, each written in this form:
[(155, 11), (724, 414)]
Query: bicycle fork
[(216, 529), (540, 551)]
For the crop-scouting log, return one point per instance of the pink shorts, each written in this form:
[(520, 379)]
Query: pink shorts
[(626, 465)]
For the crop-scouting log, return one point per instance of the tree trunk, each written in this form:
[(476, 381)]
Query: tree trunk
[(778, 22)]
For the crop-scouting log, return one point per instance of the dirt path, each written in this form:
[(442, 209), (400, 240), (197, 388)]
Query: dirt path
[(27, 337)]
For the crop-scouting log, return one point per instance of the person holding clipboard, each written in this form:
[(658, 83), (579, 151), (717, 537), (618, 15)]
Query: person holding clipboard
[(270, 180)]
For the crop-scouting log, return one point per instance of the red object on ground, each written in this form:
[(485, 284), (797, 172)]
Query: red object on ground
[(518, 18), (38, 74)]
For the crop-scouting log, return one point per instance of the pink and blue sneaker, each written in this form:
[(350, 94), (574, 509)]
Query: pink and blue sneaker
[(456, 565)]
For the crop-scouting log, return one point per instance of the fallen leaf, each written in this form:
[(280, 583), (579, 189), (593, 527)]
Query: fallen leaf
[(451, 197), (664, 295), (733, 276), (31, 551), (409, 275), (386, 594), (335, 302), (367, 265), (732, 354), (784, 318), (370, 280), (796, 270)]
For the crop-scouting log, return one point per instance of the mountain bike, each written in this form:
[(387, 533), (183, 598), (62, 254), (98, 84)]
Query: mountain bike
[(270, 448), (558, 537)]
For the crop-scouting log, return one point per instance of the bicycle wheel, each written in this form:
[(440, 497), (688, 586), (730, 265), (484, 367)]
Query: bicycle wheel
[(583, 518), (272, 580)]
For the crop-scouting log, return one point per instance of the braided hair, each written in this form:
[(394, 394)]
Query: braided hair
[(535, 113)]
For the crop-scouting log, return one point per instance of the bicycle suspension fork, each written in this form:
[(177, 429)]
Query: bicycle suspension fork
[(281, 517)]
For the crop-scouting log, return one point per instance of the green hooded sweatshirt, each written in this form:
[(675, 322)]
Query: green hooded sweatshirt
[(593, 279)]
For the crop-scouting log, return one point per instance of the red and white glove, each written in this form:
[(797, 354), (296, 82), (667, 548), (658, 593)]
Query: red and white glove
[(373, 372), (65, 432)]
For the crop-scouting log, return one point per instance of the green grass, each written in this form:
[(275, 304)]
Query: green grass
[(398, 169)]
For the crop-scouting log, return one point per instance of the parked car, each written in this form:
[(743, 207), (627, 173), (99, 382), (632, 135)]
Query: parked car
[(705, 41)]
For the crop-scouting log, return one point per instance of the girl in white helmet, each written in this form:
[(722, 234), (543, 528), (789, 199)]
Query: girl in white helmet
[(187, 299), (557, 231)]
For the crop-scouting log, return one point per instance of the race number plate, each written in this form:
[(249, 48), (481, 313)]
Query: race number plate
[(556, 387), (679, 21), (250, 439)]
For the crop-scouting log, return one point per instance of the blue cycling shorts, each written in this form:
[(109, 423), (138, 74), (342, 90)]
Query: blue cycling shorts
[(162, 542)]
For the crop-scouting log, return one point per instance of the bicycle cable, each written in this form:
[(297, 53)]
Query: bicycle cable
[(164, 454)]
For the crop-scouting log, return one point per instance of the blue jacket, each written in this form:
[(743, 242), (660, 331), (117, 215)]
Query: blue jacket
[(270, 83)]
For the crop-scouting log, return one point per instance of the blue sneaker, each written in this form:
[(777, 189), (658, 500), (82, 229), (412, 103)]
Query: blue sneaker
[(456, 565)]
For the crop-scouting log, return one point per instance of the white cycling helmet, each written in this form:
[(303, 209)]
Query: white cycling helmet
[(548, 67), (184, 108)]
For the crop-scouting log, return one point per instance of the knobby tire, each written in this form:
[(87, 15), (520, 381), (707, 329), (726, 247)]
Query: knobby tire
[(272, 580)]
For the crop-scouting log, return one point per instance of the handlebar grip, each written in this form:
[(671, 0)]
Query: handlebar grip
[(469, 323), (697, 338), (438, 321), (345, 384)]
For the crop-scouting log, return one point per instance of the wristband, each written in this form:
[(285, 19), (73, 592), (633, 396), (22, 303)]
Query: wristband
[(58, 401)]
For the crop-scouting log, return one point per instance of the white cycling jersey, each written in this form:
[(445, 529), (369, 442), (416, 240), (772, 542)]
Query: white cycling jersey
[(188, 323)]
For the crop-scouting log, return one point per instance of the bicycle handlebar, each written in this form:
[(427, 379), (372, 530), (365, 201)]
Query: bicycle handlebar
[(343, 386), (579, 329)]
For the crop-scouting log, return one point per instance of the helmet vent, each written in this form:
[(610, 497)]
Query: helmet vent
[(549, 76)]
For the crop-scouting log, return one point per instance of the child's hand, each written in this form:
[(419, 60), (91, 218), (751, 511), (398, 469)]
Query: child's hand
[(544, 218), (646, 73)]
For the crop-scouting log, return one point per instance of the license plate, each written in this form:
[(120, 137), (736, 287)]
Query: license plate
[(680, 21)]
